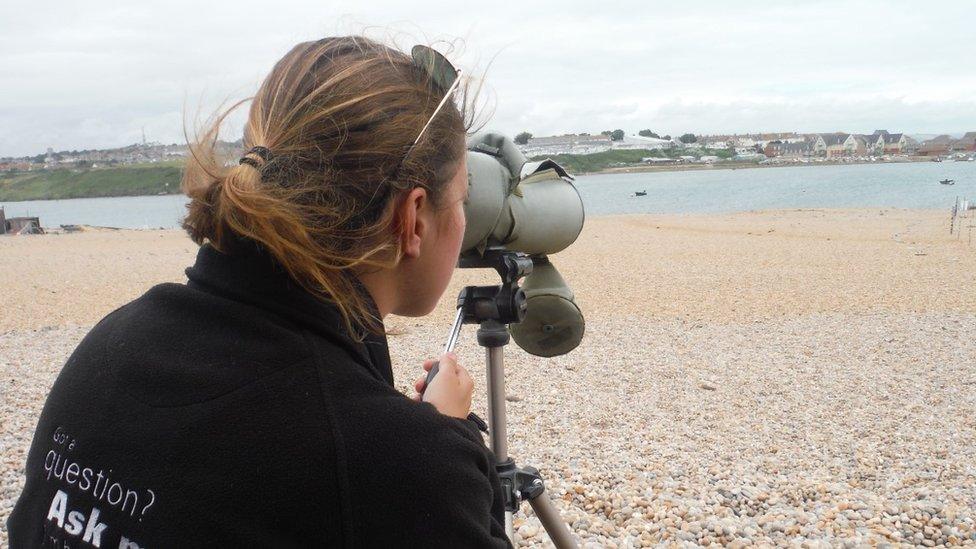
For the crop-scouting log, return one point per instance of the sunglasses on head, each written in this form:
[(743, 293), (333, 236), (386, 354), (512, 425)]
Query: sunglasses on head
[(446, 77), (441, 72)]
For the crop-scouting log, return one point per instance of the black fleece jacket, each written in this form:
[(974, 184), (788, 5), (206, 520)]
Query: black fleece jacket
[(235, 411)]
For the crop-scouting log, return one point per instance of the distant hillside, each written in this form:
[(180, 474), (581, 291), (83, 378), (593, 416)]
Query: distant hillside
[(591, 163), (164, 177), (148, 179)]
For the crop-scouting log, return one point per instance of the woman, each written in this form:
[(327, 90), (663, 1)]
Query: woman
[(254, 405)]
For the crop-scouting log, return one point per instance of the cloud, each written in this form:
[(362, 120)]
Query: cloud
[(93, 75)]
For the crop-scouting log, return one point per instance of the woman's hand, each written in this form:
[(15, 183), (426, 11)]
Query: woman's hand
[(451, 389)]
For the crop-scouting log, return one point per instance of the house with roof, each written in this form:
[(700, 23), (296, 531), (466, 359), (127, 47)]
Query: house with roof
[(717, 143), (858, 145), (899, 143), (830, 144), (875, 142), (745, 142), (751, 141), (783, 149), (784, 137)]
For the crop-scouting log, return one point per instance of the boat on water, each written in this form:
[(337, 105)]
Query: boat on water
[(640, 193), (948, 182)]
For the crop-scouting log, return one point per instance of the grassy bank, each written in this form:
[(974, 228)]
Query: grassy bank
[(135, 180), (164, 178), (596, 162)]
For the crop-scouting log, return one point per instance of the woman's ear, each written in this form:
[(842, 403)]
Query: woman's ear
[(413, 224)]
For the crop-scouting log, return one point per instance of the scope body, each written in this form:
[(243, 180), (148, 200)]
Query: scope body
[(533, 208)]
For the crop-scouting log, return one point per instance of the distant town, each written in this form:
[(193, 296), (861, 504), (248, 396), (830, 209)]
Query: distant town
[(138, 153), (759, 147), (763, 148)]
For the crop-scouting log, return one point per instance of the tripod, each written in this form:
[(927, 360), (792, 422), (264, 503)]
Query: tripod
[(493, 308)]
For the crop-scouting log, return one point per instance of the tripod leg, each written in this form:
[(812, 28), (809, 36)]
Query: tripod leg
[(553, 523), (523, 483), (497, 421)]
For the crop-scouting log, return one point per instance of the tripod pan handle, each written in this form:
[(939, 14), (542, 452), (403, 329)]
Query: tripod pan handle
[(430, 375)]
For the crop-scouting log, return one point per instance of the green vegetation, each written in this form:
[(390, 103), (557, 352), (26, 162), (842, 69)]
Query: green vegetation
[(614, 135), (133, 180), (523, 138), (589, 163), (164, 177)]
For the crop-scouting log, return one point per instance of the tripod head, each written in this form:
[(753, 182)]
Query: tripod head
[(492, 307), (541, 314), (504, 304)]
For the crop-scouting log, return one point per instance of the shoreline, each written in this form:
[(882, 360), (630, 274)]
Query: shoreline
[(3, 202), (650, 168), (742, 166), (71, 229)]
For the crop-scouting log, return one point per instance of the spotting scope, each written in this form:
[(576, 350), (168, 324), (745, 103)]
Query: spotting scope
[(531, 208)]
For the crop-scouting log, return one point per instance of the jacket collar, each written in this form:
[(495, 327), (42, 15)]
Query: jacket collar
[(250, 275)]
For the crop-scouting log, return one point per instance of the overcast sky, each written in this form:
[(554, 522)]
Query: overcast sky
[(93, 74)]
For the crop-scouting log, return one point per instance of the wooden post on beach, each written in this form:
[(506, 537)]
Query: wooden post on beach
[(952, 215), (970, 215), (959, 214)]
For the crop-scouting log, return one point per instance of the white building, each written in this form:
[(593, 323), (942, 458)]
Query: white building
[(566, 144), (641, 142), (658, 160)]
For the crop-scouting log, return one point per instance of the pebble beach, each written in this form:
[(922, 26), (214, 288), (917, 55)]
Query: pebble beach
[(799, 378)]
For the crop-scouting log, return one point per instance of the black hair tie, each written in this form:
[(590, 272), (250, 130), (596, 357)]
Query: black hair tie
[(262, 152)]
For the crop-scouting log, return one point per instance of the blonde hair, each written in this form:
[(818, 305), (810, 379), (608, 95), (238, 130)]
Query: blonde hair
[(337, 117)]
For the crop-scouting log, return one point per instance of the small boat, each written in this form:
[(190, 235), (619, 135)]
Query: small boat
[(640, 193), (948, 182)]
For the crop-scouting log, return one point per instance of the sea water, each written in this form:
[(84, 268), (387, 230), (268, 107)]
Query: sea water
[(901, 185), (125, 212), (905, 185)]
